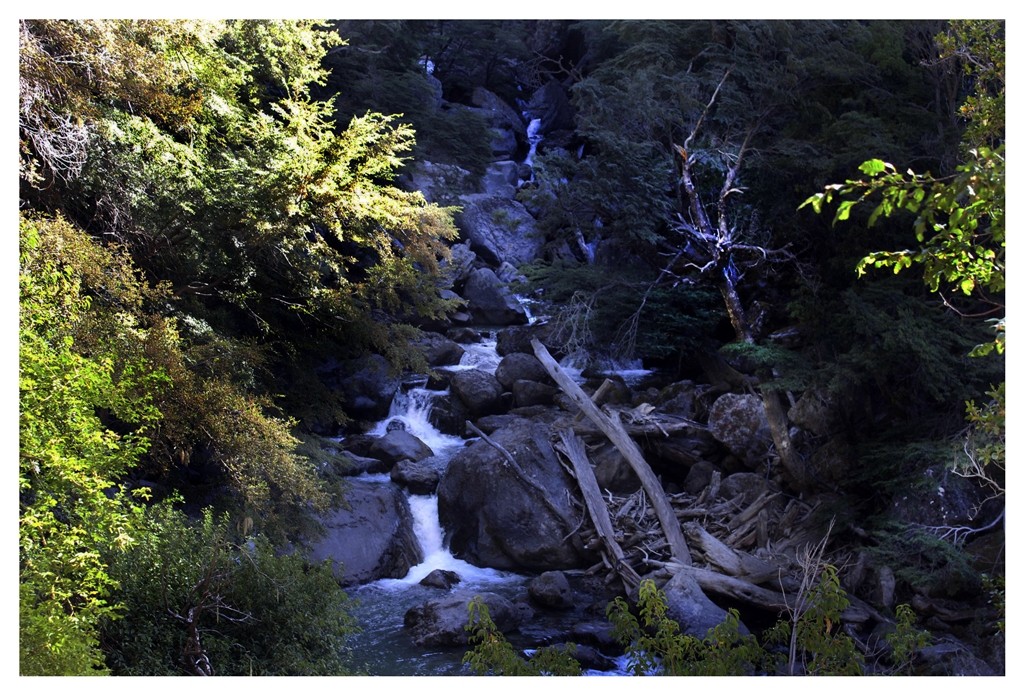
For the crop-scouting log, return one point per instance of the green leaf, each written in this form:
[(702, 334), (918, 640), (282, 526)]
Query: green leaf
[(873, 167)]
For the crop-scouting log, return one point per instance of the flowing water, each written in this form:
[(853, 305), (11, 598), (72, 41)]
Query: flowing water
[(383, 647)]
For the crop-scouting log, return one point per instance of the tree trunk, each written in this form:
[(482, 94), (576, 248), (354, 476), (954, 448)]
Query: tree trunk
[(613, 429)]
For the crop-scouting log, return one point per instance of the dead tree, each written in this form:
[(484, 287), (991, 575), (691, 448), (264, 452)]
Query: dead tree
[(714, 247)]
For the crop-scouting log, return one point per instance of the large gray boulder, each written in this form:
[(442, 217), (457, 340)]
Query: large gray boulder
[(508, 132), (442, 622), (438, 350), (371, 537), (439, 183), (500, 179), (551, 590), (398, 445), (490, 301), (418, 477), (500, 229), (688, 605), (493, 517), (520, 365), (478, 390), (740, 423)]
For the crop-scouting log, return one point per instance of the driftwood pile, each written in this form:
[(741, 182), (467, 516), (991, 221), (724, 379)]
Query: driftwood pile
[(746, 551)]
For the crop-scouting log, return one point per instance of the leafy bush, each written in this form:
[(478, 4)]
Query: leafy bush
[(195, 601)]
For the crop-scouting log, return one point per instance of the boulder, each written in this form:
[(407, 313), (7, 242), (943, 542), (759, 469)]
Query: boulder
[(418, 477), (397, 445), (441, 622), (526, 393), (520, 365), (551, 590), (439, 183), (367, 385), (371, 538), (740, 423), (438, 350), (508, 132), (478, 390), (500, 179), (688, 605), (499, 229), (460, 263), (517, 338), (495, 518), (613, 471), (490, 301), (464, 335), (441, 579)]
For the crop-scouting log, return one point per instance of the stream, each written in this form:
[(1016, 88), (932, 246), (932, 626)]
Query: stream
[(383, 647)]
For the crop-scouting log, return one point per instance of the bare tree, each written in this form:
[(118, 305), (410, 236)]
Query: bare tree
[(716, 248)]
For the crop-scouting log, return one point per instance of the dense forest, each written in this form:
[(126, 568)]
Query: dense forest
[(240, 240)]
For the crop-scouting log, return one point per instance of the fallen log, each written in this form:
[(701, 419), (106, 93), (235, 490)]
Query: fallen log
[(572, 447), (612, 428)]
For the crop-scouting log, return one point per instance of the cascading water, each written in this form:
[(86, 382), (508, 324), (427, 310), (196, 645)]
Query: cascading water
[(383, 648)]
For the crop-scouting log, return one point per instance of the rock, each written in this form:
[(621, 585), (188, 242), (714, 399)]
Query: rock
[(478, 390), (834, 461), (517, 338), (464, 335), (600, 634), (814, 413), (363, 464), (500, 179), (520, 365), (509, 274), (591, 659), (740, 423), (499, 230), (460, 264), (441, 579), (449, 415), (493, 518), (490, 301), (418, 477), (551, 590), (691, 608), (441, 622), (526, 393), (367, 384), (951, 657), (438, 350), (372, 539), (507, 127), (612, 471), (399, 444), (750, 485), (551, 104), (677, 399), (698, 478), (439, 183)]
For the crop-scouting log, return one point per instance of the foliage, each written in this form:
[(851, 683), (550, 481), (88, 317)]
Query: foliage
[(596, 313), (924, 562), (264, 220), (905, 639), (819, 644), (195, 599), (654, 645), (71, 508), (984, 446), (958, 221), (492, 654)]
